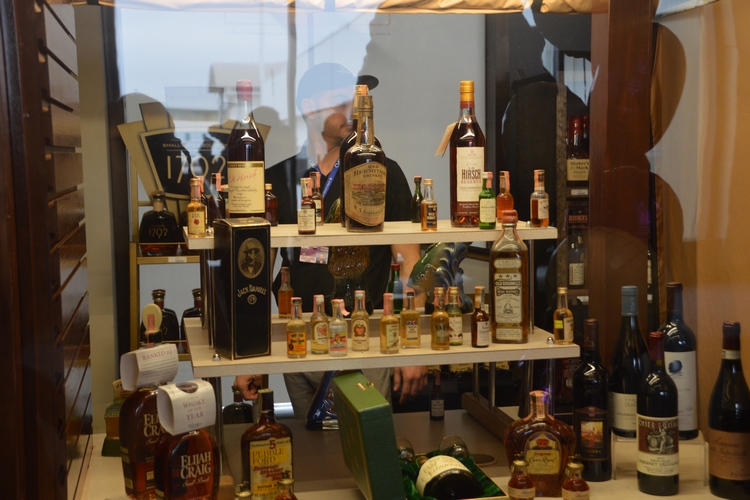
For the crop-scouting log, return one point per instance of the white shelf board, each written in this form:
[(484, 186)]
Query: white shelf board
[(203, 365), (403, 232)]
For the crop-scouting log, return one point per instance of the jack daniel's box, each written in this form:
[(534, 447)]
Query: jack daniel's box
[(368, 438), (242, 287)]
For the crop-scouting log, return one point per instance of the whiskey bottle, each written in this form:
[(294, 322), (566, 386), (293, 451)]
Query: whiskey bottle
[(196, 210), (319, 327), (437, 398), (186, 466), (545, 442), (590, 415), (428, 208), (317, 199), (509, 277), (389, 328), (729, 422), (245, 160), (466, 161), (365, 175), (409, 324), (306, 213), (576, 260), (286, 489), (416, 200), (439, 322), (360, 323), (657, 437), (577, 159), (504, 199), (237, 412), (170, 327), (285, 294), (159, 234), (487, 203), (337, 330), (140, 431), (272, 206), (628, 366), (680, 360), (539, 202), (520, 484), (396, 287), (296, 331), (481, 326), (574, 487), (266, 451), (193, 312), (563, 318), (214, 201), (455, 318)]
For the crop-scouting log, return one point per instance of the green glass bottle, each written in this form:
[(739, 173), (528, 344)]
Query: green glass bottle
[(487, 203)]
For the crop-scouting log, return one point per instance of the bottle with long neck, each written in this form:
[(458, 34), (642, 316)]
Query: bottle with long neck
[(389, 327), (539, 201), (563, 318), (365, 175), (317, 199), (577, 158), (296, 331), (409, 324), (337, 330), (729, 422), (319, 327), (306, 213), (455, 318), (628, 367), (504, 200), (466, 161), (285, 294), (396, 287), (590, 415), (416, 200), (246, 160), (681, 361), (214, 201), (657, 461)]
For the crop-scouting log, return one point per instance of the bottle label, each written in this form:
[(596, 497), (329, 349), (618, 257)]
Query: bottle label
[(455, 325), (508, 291), (411, 330), (657, 440), (508, 334), (729, 455), (578, 169), (338, 340), (437, 408), (682, 368), (575, 274), (431, 216), (484, 330), (196, 470), (469, 168), (543, 208), (360, 335), (246, 180), (434, 467), (521, 493), (391, 336), (364, 186), (592, 430), (623, 408), (440, 333), (269, 459), (306, 219), (296, 343), (196, 222), (543, 454), (487, 210), (566, 326), (575, 495), (318, 211), (732, 355), (320, 335)]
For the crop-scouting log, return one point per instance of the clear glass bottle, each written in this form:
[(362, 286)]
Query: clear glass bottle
[(317, 198), (389, 329), (539, 202), (266, 450), (193, 312), (360, 323), (481, 326), (509, 279), (196, 210), (574, 487), (545, 442), (272, 206), (337, 330), (245, 160), (455, 318), (319, 327), (442, 476), (487, 203), (563, 318), (416, 200), (520, 484), (504, 199), (296, 331), (437, 398), (285, 294), (409, 323), (428, 208), (466, 162), (439, 322), (239, 411), (396, 287), (159, 234), (306, 212)]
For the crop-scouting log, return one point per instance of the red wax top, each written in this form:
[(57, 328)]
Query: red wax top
[(510, 216), (244, 89)]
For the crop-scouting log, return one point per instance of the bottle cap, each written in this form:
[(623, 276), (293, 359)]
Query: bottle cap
[(244, 89), (319, 299), (268, 186), (417, 178), (359, 293), (395, 267), (731, 328), (428, 182), (510, 216), (561, 290), (629, 300), (466, 86), (197, 292), (575, 466)]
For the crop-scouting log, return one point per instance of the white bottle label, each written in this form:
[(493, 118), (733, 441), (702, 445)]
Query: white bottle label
[(469, 168), (196, 222), (484, 330), (521, 493), (657, 440), (622, 407), (487, 210), (433, 467), (364, 186), (682, 368), (508, 292), (578, 169), (543, 209), (455, 324), (412, 330), (246, 187), (437, 408), (306, 219), (575, 274), (729, 454)]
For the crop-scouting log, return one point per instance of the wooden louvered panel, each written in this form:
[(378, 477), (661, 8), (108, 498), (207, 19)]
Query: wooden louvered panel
[(66, 214), (65, 170), (77, 391), (59, 42), (79, 466), (64, 12), (68, 255), (63, 87), (71, 295), (64, 127), (74, 334)]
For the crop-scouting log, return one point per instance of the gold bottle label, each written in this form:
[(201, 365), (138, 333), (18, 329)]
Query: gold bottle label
[(365, 193), (246, 180), (543, 454), (469, 168), (729, 455), (578, 169), (269, 458)]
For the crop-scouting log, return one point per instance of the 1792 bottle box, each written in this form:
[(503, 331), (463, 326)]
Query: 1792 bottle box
[(242, 287)]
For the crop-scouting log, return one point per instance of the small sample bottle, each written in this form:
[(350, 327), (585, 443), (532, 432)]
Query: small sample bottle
[(504, 198), (437, 398), (319, 327), (196, 210), (429, 209), (396, 287), (389, 329), (520, 484), (337, 330), (481, 327), (360, 323), (296, 331), (214, 201), (439, 322), (416, 200), (317, 198), (409, 322), (286, 488), (563, 318), (487, 203), (575, 487), (539, 202), (272, 206), (285, 294), (455, 318), (306, 212)]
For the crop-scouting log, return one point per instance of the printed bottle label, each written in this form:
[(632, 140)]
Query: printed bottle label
[(543, 209), (306, 219), (246, 187), (469, 168), (543, 454), (576, 495), (196, 222), (576, 274), (487, 210), (360, 335), (435, 466), (431, 216), (682, 368), (437, 408), (455, 324), (578, 169), (623, 408), (508, 292), (296, 343), (484, 330), (521, 493), (657, 440), (729, 455), (268, 460), (412, 330), (338, 341), (592, 429), (365, 193), (391, 336)]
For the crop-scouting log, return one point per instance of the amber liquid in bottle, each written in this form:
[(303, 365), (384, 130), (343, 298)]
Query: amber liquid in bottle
[(440, 323), (272, 206), (360, 323), (159, 234), (428, 208), (539, 202), (317, 198), (196, 210), (347, 144), (577, 161), (296, 331), (319, 328), (504, 198), (575, 487), (563, 318), (455, 318), (187, 467), (466, 162), (285, 295), (481, 326), (409, 323), (389, 327), (306, 213), (520, 484), (214, 201)]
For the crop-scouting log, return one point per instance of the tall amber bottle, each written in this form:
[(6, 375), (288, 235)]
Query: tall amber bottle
[(349, 142), (266, 452), (187, 466)]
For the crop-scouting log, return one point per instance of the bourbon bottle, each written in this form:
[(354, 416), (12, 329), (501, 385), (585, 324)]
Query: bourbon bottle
[(539, 202), (285, 294), (187, 467), (266, 452), (317, 199), (409, 324), (428, 208), (504, 198), (237, 412), (196, 210), (286, 489), (296, 331), (360, 323), (214, 200), (481, 326), (170, 327), (159, 234), (272, 206), (520, 484), (440, 323), (545, 442), (140, 431), (563, 318), (306, 213)]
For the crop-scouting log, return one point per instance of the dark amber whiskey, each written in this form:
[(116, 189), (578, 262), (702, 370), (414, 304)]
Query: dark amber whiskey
[(159, 233), (272, 206), (169, 331), (285, 295), (520, 484), (481, 326), (186, 466), (539, 202)]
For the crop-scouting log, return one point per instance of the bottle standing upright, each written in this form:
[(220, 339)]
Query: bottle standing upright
[(539, 202), (681, 361), (246, 160), (628, 367), (504, 200), (729, 423), (428, 208), (159, 234), (466, 161), (657, 436), (360, 323), (437, 398), (487, 203), (396, 287), (196, 210), (416, 200)]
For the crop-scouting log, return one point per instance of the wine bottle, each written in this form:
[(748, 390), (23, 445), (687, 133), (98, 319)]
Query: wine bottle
[(729, 423), (680, 359), (590, 415), (443, 477), (416, 200), (657, 435), (246, 160), (481, 326), (466, 161), (576, 260), (628, 367)]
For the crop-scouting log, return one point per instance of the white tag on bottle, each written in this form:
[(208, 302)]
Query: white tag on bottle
[(446, 139), (148, 366), (186, 406)]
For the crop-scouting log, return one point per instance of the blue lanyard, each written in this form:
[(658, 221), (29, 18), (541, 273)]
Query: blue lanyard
[(330, 178)]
